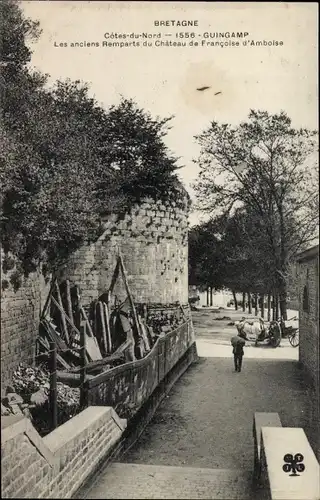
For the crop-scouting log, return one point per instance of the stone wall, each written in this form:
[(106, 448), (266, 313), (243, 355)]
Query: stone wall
[(309, 347), (153, 240), (55, 466), (308, 314), (20, 310), (275, 483)]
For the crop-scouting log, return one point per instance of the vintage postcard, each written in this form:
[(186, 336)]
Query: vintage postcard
[(159, 250)]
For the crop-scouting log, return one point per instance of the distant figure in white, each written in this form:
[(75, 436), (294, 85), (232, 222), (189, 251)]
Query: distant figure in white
[(250, 329)]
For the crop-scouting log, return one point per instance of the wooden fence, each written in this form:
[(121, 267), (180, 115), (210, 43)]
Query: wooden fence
[(128, 386)]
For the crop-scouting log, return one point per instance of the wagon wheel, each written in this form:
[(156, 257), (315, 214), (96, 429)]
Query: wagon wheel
[(275, 334), (294, 338)]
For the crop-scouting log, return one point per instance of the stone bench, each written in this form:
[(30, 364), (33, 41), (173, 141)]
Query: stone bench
[(262, 420), (280, 484)]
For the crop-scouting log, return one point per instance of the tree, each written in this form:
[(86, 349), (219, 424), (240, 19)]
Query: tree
[(268, 166), (16, 28), (64, 158), (132, 143), (230, 251), (55, 143)]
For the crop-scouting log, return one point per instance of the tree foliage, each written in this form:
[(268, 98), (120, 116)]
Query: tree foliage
[(268, 168), (223, 254), (206, 257), (64, 158)]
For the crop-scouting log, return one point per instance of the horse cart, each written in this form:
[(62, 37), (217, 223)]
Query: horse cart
[(258, 330)]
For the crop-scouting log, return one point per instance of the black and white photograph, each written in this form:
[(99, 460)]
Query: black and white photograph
[(159, 188)]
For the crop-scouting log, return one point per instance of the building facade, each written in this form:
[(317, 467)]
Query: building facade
[(308, 290), (309, 347)]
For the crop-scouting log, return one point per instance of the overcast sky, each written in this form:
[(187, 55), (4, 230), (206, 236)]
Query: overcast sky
[(163, 80)]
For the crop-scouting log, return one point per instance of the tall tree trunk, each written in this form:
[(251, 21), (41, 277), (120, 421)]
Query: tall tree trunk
[(235, 300), (276, 307), (244, 302), (283, 301), (262, 306), (273, 307), (208, 303), (249, 303), (283, 259), (256, 305), (211, 301), (269, 306)]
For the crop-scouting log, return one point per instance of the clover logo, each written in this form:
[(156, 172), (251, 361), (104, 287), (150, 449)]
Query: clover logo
[(293, 463)]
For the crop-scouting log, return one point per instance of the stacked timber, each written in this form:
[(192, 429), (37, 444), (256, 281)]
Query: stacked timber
[(114, 334)]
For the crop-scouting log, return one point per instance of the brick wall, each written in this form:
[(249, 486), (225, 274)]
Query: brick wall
[(153, 240), (19, 320), (56, 466)]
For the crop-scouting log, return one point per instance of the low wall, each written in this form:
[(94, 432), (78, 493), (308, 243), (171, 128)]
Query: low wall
[(127, 387), (284, 445), (55, 466), (137, 424), (275, 446), (261, 419)]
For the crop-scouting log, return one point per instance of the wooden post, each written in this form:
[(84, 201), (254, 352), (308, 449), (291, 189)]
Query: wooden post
[(83, 388), (69, 309), (53, 385), (86, 319), (114, 277), (208, 303), (104, 343), (124, 276), (63, 319), (77, 319), (48, 299), (108, 331), (65, 315)]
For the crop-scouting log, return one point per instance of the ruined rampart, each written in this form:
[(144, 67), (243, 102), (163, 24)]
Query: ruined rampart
[(153, 241)]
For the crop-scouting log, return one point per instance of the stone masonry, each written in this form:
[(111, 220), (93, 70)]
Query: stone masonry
[(153, 240), (20, 311), (309, 347), (308, 313)]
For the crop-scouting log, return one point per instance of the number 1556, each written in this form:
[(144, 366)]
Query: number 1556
[(185, 35)]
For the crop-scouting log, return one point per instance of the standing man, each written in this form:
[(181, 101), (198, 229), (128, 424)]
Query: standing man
[(238, 343)]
